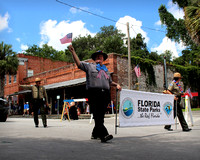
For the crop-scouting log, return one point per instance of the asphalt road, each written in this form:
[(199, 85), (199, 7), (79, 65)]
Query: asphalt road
[(20, 140)]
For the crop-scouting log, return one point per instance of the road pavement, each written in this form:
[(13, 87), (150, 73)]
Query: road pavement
[(19, 139)]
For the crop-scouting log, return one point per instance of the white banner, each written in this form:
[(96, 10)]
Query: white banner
[(145, 108)]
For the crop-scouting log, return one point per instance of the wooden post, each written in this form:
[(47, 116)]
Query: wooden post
[(129, 58)]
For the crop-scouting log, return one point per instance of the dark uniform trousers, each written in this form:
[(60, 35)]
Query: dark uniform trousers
[(179, 114), (39, 104), (98, 101)]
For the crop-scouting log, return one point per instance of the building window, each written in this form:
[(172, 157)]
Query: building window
[(10, 79), (5, 79), (15, 78), (30, 73)]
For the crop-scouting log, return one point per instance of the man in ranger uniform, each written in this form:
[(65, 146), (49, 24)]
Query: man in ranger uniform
[(176, 89), (98, 82), (39, 95)]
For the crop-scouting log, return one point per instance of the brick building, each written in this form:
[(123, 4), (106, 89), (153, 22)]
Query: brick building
[(65, 80), (61, 79)]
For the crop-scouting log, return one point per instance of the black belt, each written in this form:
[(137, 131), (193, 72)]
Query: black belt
[(98, 89)]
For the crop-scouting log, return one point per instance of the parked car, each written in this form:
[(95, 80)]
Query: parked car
[(3, 110)]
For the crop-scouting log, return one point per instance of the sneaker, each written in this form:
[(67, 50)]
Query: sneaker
[(106, 138)]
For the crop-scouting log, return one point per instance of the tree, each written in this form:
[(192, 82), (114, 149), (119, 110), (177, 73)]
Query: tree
[(8, 64), (84, 46), (186, 29), (192, 21), (138, 47), (155, 57), (46, 52), (182, 30), (168, 55), (176, 29), (110, 39)]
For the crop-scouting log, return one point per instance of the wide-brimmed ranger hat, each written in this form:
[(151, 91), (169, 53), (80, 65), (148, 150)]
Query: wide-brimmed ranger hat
[(37, 79), (177, 75), (93, 56)]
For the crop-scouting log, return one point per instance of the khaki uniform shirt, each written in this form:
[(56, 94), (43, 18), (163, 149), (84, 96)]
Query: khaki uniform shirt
[(42, 92), (174, 89)]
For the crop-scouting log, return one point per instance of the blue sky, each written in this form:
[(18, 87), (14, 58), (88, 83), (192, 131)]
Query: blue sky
[(27, 22)]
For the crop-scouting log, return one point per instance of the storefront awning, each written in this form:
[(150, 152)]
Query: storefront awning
[(20, 92), (73, 82)]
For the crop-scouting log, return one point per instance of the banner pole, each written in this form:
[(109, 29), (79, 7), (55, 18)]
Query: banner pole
[(116, 111), (186, 108), (176, 115), (190, 112)]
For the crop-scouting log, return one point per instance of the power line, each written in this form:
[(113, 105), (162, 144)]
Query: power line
[(89, 12), (97, 15), (108, 18)]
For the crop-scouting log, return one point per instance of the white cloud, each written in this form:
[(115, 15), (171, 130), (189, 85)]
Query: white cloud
[(158, 23), (51, 32), (169, 45), (134, 27), (18, 39), (23, 47), (4, 22), (175, 10)]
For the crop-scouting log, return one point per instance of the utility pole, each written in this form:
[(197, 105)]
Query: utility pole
[(165, 73), (129, 58)]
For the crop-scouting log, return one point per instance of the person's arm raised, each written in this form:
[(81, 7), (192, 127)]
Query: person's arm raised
[(75, 57)]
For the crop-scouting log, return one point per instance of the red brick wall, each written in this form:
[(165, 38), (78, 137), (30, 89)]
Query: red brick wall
[(54, 72), (37, 64)]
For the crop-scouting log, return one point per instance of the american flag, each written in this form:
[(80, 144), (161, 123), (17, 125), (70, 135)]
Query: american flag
[(66, 39), (137, 71), (189, 92)]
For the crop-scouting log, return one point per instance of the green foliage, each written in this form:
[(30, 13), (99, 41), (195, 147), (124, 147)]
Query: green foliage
[(184, 3), (8, 60), (192, 21), (176, 29), (155, 57), (190, 56), (191, 76), (8, 64), (84, 46), (146, 66), (47, 52), (109, 39), (187, 29), (138, 47), (168, 55)]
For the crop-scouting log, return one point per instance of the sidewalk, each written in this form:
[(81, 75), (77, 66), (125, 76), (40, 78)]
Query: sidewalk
[(55, 116)]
